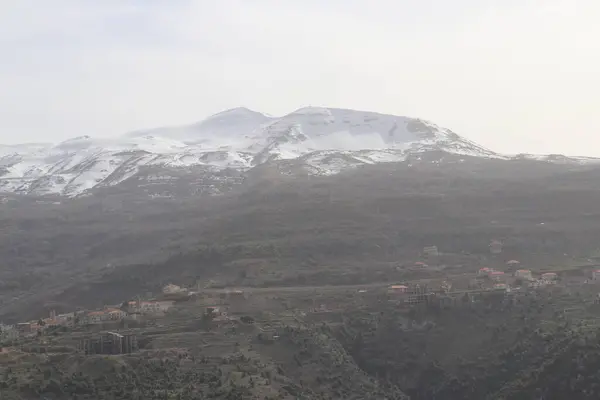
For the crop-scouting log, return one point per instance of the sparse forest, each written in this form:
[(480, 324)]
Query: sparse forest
[(364, 227)]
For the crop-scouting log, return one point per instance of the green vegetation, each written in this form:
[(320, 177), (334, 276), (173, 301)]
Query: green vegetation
[(363, 346), (288, 238)]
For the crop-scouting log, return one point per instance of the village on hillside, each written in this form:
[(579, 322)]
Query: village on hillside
[(110, 313), (512, 279)]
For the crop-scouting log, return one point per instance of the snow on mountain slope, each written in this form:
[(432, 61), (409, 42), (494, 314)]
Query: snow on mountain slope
[(322, 141), (225, 130), (312, 129), (557, 159), (22, 148)]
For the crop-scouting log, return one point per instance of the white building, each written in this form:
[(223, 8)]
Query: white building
[(115, 314), (431, 251), (171, 289), (150, 307), (549, 277)]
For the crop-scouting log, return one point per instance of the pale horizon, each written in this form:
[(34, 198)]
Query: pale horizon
[(515, 76)]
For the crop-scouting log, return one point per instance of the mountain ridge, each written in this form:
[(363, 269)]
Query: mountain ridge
[(322, 141)]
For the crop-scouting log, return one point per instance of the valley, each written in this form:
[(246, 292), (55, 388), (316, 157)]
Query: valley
[(379, 257)]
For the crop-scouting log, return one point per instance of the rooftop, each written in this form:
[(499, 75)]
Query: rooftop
[(96, 313)]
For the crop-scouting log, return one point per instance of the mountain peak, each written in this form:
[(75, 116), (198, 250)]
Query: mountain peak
[(311, 110), (235, 113)]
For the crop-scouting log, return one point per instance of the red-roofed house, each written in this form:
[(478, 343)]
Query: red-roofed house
[(397, 289), (51, 322), (96, 317), (484, 271)]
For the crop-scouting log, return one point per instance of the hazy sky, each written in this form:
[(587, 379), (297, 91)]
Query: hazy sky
[(513, 75)]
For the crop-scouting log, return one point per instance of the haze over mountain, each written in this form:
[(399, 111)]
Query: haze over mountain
[(320, 141), (411, 243)]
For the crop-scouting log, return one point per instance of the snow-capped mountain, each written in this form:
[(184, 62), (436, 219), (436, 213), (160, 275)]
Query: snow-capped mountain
[(224, 146)]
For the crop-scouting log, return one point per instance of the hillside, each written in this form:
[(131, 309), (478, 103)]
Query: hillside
[(280, 230), (314, 235), (335, 343)]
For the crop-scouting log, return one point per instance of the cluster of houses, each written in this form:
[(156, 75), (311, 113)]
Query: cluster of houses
[(80, 318), (491, 273), (500, 279), (22, 329), (108, 314), (524, 275)]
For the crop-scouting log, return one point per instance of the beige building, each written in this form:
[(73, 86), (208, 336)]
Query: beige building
[(171, 289), (396, 289), (431, 251), (496, 276), (150, 307), (524, 274), (549, 277), (495, 247)]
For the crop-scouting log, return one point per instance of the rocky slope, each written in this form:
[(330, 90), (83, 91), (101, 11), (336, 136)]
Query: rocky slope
[(213, 156)]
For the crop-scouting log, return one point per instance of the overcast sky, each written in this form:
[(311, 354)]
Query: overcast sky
[(513, 75)]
